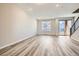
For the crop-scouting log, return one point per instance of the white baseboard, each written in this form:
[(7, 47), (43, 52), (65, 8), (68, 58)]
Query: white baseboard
[(17, 41)]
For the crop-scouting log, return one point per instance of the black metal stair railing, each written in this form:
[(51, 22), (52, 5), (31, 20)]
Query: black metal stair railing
[(74, 27)]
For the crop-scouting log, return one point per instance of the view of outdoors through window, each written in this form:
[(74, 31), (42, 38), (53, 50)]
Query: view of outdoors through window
[(61, 26), (46, 26)]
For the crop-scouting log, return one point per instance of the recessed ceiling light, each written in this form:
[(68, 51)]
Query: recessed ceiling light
[(57, 5)]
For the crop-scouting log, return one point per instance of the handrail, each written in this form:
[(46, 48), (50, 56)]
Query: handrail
[(74, 27)]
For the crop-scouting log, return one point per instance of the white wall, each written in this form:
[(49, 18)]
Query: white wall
[(68, 27), (15, 25)]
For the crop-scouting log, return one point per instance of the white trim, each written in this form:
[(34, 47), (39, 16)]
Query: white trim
[(16, 42)]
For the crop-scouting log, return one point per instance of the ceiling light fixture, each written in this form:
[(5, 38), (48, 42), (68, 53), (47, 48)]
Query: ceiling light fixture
[(57, 5)]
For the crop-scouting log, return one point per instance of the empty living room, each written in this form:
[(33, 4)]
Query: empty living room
[(39, 29)]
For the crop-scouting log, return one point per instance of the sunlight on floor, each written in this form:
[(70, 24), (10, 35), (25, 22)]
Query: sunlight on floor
[(47, 41), (63, 40)]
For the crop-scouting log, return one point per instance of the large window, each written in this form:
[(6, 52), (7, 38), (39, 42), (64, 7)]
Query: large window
[(61, 26), (46, 26)]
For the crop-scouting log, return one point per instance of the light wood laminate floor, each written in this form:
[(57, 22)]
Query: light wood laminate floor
[(43, 46)]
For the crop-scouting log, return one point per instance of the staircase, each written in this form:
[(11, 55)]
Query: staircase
[(74, 30)]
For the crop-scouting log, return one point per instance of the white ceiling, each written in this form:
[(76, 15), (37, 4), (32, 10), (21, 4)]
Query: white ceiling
[(48, 9)]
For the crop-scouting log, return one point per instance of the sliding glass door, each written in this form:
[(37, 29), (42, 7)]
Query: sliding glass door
[(64, 27), (61, 27)]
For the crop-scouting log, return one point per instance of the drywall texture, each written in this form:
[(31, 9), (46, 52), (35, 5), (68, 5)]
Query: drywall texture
[(15, 24)]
